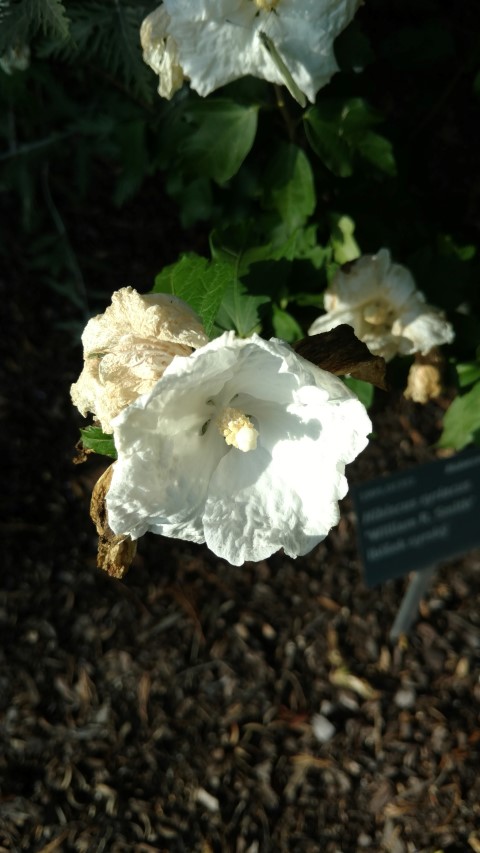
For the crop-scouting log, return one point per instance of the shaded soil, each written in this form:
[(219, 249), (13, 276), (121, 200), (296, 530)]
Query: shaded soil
[(200, 707)]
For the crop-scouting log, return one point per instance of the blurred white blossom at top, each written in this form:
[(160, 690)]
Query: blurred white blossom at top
[(15, 59), (128, 347), (243, 445), (213, 42), (380, 300)]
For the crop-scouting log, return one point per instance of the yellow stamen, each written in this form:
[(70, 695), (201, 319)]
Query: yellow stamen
[(377, 313), (237, 429), (266, 5)]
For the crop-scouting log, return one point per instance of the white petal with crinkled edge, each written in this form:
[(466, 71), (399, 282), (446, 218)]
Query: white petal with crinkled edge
[(218, 40), (427, 329), (329, 321), (367, 279), (176, 476)]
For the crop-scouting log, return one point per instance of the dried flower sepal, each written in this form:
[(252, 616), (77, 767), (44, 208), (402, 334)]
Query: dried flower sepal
[(81, 453), (425, 377), (115, 552)]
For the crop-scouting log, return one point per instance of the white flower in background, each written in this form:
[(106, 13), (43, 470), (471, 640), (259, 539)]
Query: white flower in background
[(243, 445), (15, 59), (160, 52), (127, 348), (380, 300), (213, 42)]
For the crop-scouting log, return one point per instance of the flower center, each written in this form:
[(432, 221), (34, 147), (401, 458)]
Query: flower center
[(266, 5), (377, 313), (237, 429)]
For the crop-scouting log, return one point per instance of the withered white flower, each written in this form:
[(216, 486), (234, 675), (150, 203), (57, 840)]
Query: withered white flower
[(127, 348), (243, 445), (160, 52), (381, 301), (218, 41)]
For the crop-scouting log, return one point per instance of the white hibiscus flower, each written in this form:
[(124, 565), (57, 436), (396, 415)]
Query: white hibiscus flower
[(243, 445), (213, 42), (380, 300), (127, 348)]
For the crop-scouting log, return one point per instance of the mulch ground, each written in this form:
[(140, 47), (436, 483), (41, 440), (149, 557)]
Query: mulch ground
[(200, 707)]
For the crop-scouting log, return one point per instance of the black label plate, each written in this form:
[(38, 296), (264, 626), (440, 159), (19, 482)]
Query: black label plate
[(418, 518)]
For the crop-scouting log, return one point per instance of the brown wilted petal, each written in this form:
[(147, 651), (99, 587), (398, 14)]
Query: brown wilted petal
[(340, 352), (115, 552)]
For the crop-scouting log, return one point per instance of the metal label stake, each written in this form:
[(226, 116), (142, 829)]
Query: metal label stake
[(408, 610)]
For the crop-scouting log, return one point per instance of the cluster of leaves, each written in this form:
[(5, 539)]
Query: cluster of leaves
[(285, 195)]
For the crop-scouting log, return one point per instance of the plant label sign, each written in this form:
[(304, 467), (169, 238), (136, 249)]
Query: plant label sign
[(419, 518)]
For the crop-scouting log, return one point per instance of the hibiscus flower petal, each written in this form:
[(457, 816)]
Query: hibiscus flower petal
[(219, 41)]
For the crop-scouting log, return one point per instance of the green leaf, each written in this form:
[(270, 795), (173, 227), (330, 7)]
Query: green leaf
[(364, 390), (378, 151), (239, 310), (340, 131), (93, 438), (322, 129), (220, 135), (467, 373), (289, 186), (194, 198), (461, 424), (304, 246), (233, 245), (53, 17), (199, 282), (285, 326), (356, 115), (448, 246)]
